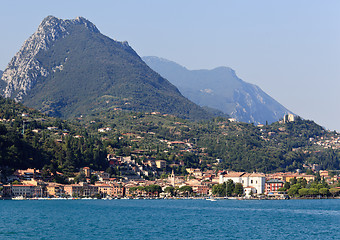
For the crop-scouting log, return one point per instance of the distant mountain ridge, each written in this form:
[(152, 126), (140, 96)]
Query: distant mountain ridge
[(221, 89), (68, 68)]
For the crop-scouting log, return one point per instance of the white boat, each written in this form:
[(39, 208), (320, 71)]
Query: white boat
[(18, 198), (107, 198)]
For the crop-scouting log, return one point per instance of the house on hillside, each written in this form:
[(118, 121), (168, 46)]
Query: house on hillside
[(160, 164)]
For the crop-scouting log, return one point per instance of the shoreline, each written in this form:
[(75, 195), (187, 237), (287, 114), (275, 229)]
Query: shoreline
[(174, 198)]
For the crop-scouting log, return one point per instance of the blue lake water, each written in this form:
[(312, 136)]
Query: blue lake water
[(170, 219)]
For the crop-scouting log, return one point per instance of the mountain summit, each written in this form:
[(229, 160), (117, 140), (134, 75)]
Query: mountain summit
[(24, 69), (67, 68), (220, 88)]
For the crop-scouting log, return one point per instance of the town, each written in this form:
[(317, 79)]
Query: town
[(34, 184), (153, 155)]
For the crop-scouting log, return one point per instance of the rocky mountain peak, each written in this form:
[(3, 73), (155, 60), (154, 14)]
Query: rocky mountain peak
[(24, 69), (83, 21), (54, 22), (68, 68)]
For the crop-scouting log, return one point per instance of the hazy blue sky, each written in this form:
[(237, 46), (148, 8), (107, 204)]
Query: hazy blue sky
[(290, 48)]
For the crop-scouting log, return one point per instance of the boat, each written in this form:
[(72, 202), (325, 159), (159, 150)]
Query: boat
[(18, 198)]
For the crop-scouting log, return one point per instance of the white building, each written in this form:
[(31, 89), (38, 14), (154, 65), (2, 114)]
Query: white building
[(254, 180), (288, 118)]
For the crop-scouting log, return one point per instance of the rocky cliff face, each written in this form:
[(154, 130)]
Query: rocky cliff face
[(68, 68), (24, 69), (220, 88), (2, 83)]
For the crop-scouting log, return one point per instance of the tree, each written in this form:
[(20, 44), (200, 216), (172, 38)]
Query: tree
[(60, 179), (170, 190), (94, 179), (334, 191), (293, 181), (313, 191), (318, 177), (219, 190), (110, 171), (309, 172), (186, 189), (153, 189), (324, 191), (230, 187), (303, 192), (80, 178), (238, 189), (45, 173), (293, 190), (302, 181), (286, 185), (132, 190)]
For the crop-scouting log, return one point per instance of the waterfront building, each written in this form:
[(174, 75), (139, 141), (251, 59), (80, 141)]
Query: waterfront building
[(255, 180), (117, 190), (249, 191), (26, 191), (273, 185), (55, 189), (105, 189), (81, 190)]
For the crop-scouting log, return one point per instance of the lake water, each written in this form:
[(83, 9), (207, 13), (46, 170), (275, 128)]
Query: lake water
[(170, 219)]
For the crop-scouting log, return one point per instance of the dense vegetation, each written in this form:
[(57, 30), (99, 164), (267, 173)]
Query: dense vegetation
[(54, 150), (36, 140), (239, 146), (318, 187)]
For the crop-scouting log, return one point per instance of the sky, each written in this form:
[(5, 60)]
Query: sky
[(289, 48)]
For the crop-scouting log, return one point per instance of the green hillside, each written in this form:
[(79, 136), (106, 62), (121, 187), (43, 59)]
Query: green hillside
[(30, 139), (239, 146), (89, 72)]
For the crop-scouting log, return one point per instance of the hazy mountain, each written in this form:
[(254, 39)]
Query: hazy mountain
[(67, 68), (220, 88)]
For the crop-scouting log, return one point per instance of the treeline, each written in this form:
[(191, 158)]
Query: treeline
[(57, 150), (275, 147), (300, 188), (77, 143), (228, 189), (40, 151)]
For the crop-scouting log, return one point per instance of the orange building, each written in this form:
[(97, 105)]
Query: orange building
[(55, 189), (272, 186)]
